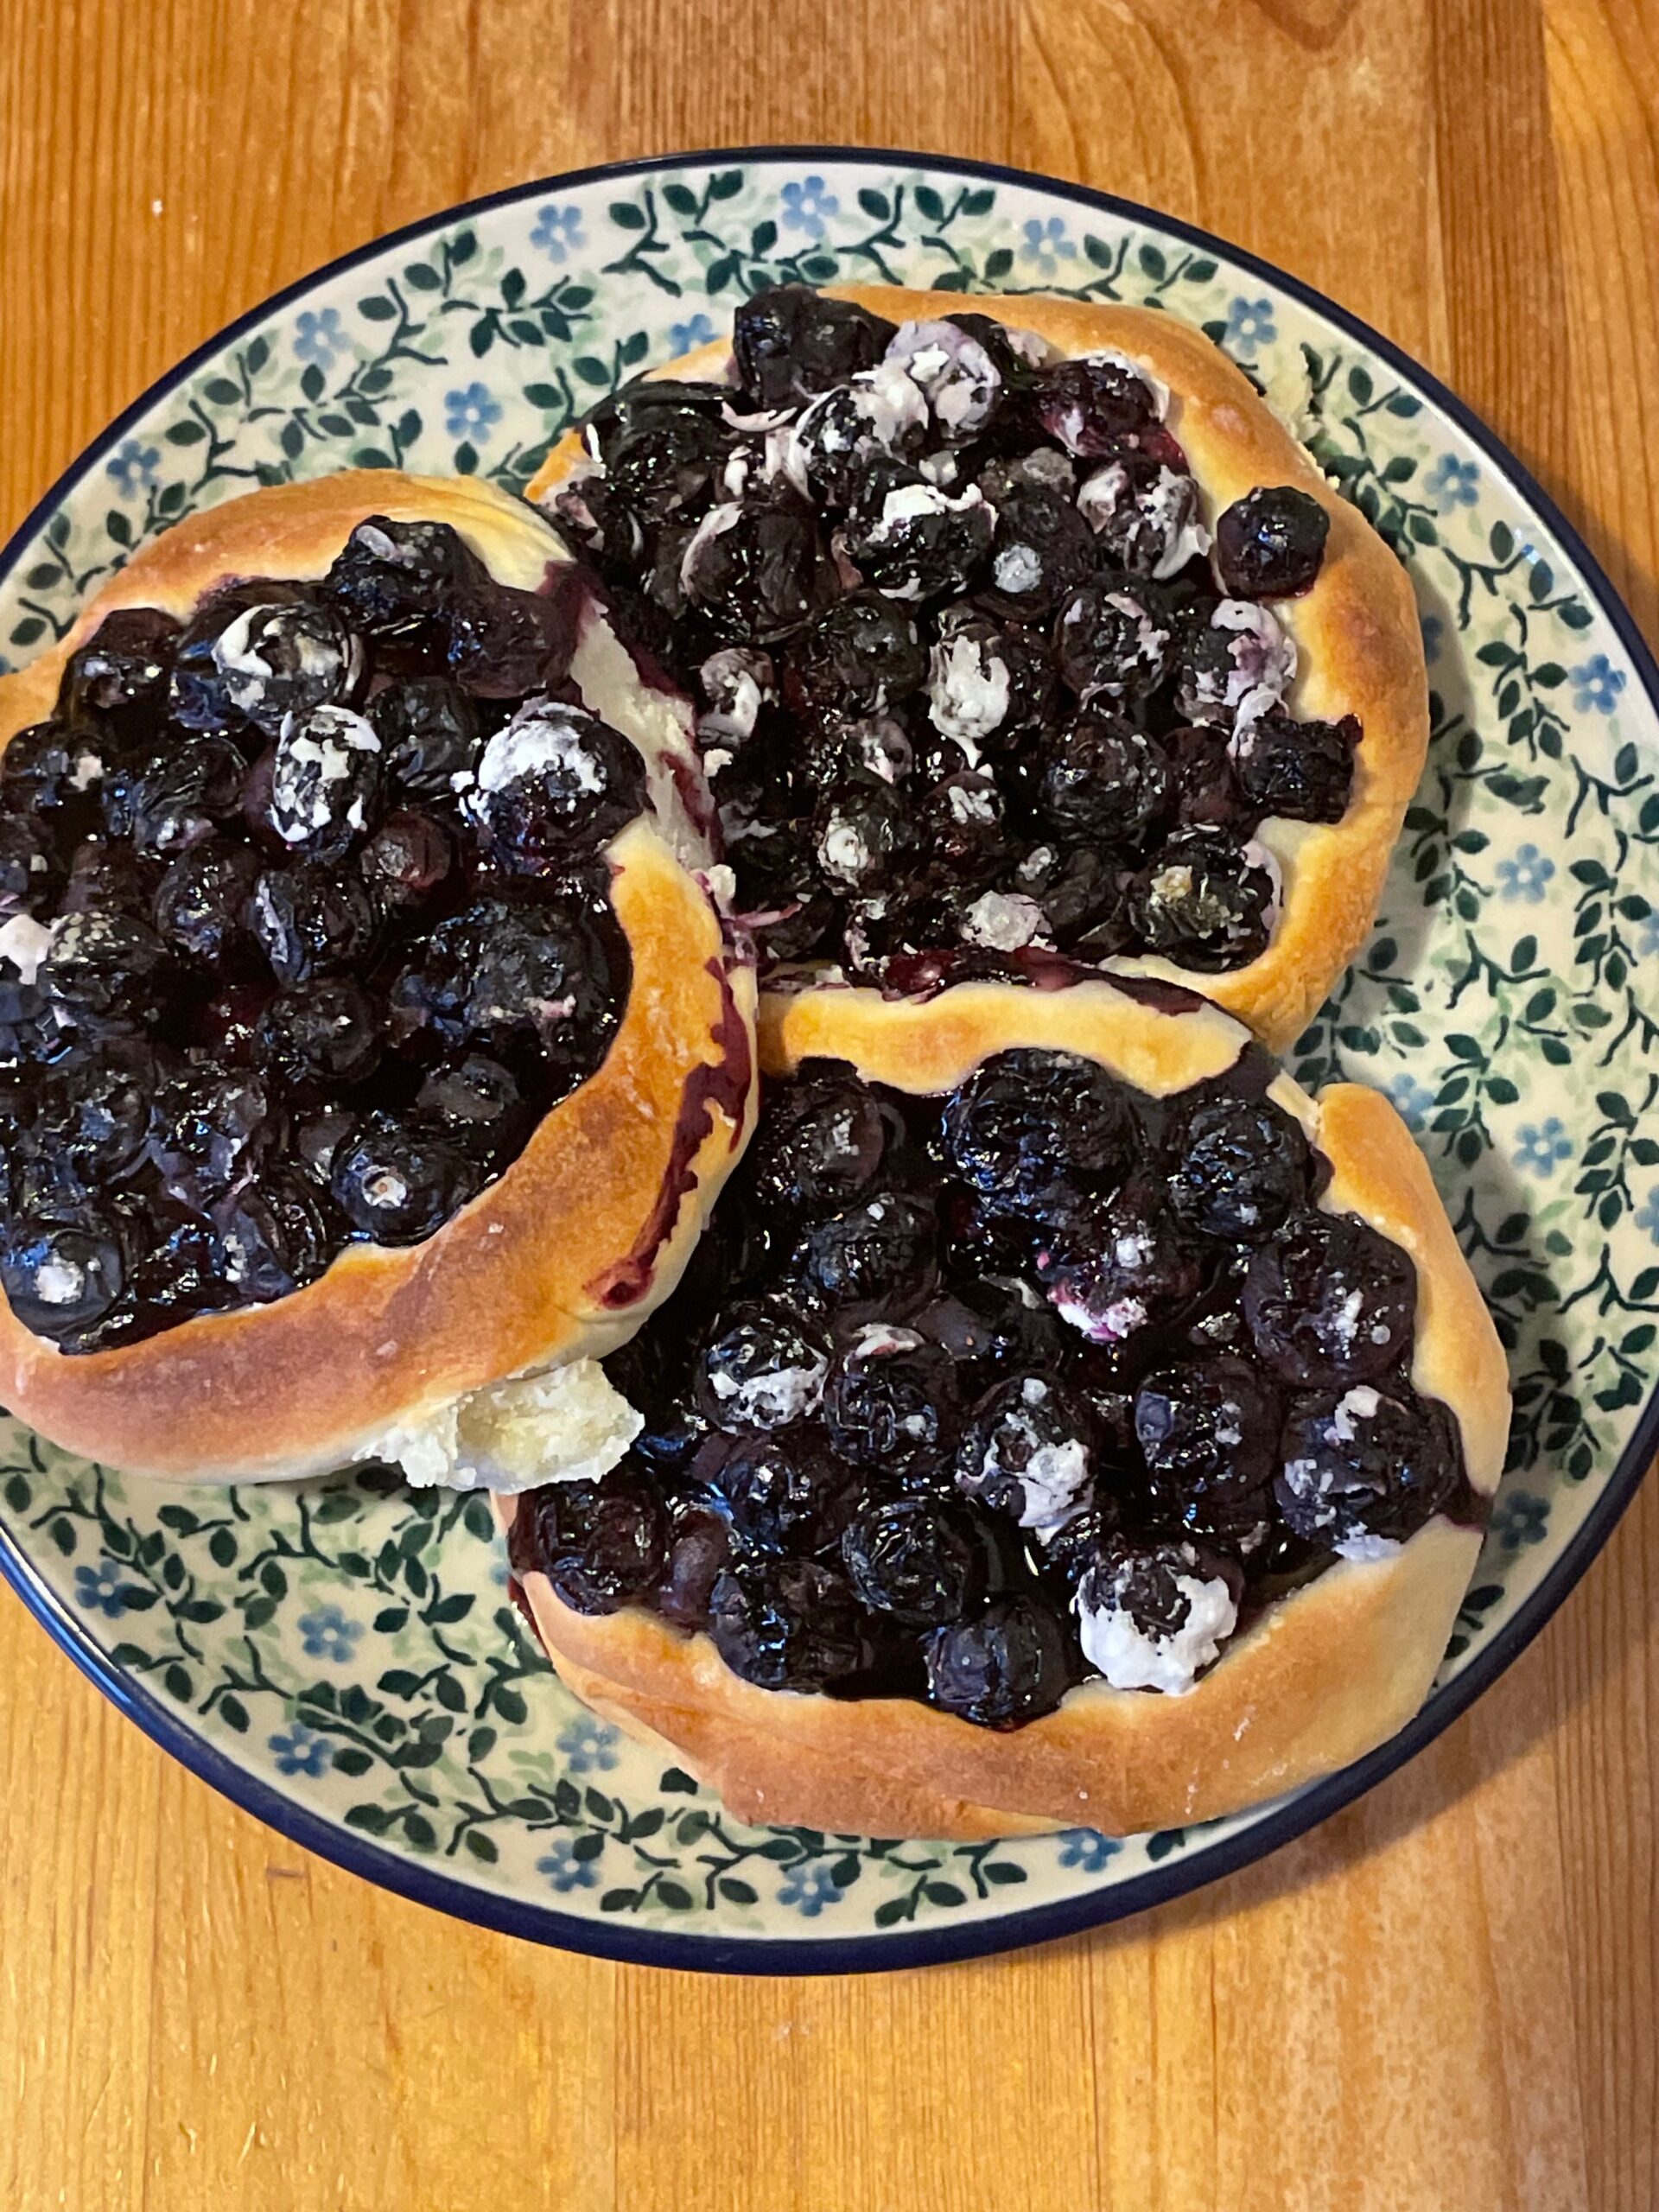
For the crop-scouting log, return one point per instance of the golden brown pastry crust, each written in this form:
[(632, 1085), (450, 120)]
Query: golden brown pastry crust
[(1358, 644), (1325, 1676), (517, 1280)]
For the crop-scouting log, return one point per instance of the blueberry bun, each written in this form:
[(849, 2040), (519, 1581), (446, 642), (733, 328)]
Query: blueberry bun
[(1066, 1420), (1012, 630), (371, 1043)]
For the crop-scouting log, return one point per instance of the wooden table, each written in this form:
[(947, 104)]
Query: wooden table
[(1447, 1998)]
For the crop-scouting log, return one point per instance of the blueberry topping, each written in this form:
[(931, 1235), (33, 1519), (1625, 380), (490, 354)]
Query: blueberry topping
[(921, 1562), (914, 541), (103, 970), (789, 342), (63, 1275), (1329, 1300), (1103, 779), (1116, 1269), (431, 735), (1270, 543), (1204, 901), (1030, 1452), (322, 1035), (1007, 1665), (176, 799), (1243, 1167), (785, 1623), (754, 566), (397, 1184), (1208, 1432), (325, 781), (392, 579), (1030, 1128), (200, 908), (819, 1147), (555, 781), (410, 858), (893, 1402), (863, 655), (1110, 643), (1365, 1463), (309, 921), (765, 1368), (1042, 550), (503, 643), (788, 1492), (120, 675), (602, 1545), (876, 1256), (1090, 406), (1302, 771), (256, 655)]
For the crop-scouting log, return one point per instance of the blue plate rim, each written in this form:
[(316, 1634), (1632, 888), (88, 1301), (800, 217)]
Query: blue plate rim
[(542, 1924)]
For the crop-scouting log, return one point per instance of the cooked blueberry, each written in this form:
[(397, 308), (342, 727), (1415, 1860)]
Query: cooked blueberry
[(409, 858), (785, 1623), (1090, 405), (839, 747), (554, 782), (391, 576), (308, 920), (863, 836), (1209, 1432), (957, 373), (819, 1146), (176, 799), (208, 1130), (1154, 1616), (1111, 643), (1078, 889), (763, 1368), (602, 1545), (326, 780), (911, 540), (63, 1274), (1030, 1452), (99, 1108), (316, 1137), (258, 652), (200, 906), (272, 1237), (789, 342), (779, 883), (1270, 543), (861, 656), (892, 1402), (120, 674), (1330, 1299), (503, 643), (667, 461), (321, 1034), (1042, 550), (1243, 1167), (878, 1254), (1103, 779), (1302, 771), (1115, 1269), (989, 1321), (988, 686), (1204, 901), (226, 1027), (1207, 792), (1030, 1126), (181, 1270), (787, 1491), (756, 568), (56, 773), (104, 968), (832, 443), (1007, 1665), (699, 1548), (397, 1184), (554, 972), (25, 871), (961, 831), (1144, 515), (1233, 665), (477, 1102), (430, 734), (1363, 1462), (916, 1559)]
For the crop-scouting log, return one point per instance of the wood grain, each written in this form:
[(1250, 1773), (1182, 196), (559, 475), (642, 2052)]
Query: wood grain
[(1444, 1998)]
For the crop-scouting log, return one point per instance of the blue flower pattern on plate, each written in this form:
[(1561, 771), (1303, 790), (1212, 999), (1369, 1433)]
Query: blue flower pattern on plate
[(686, 337), (326, 1634), (1411, 1100), (1595, 685), (133, 467), (1250, 324), (1543, 1147), (1086, 1850), (1452, 483), (1046, 244), (807, 204), (319, 337), (300, 1750), (558, 232), (100, 1589), (808, 1887), (1647, 1218), (588, 1745), (1525, 876), (471, 413), (1519, 1518), (564, 1869)]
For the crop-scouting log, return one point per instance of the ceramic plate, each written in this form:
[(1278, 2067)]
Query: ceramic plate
[(342, 1658)]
